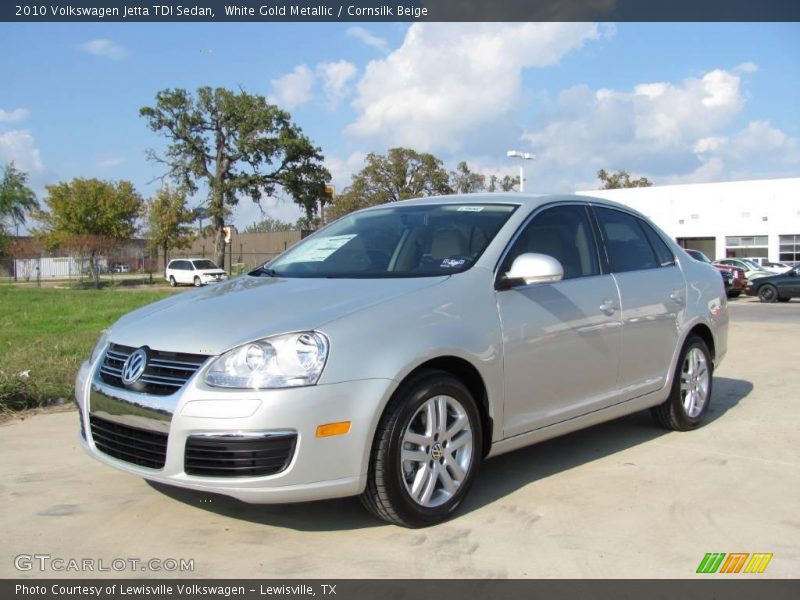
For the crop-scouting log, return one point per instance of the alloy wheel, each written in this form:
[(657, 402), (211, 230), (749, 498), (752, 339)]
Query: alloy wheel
[(436, 451)]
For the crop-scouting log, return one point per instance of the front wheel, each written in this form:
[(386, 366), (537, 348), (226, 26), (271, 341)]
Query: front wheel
[(768, 293), (690, 396), (197, 282), (425, 453)]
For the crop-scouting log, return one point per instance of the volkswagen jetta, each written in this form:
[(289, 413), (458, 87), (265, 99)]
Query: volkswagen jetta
[(389, 354)]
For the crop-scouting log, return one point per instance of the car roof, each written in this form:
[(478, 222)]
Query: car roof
[(517, 198)]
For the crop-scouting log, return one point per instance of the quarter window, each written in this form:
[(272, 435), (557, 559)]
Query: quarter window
[(627, 245), (563, 232)]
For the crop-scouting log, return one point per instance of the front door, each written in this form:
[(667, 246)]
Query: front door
[(561, 341)]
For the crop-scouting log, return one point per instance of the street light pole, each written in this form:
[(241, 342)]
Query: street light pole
[(524, 156)]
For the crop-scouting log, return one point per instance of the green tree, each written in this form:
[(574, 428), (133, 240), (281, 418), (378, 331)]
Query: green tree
[(505, 184), (464, 181), (89, 216), (269, 225), (234, 143), (168, 220), (400, 174), (620, 179), (16, 200)]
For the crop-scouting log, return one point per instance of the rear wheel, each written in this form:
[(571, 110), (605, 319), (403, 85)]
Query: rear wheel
[(425, 453), (690, 396), (734, 294), (172, 281), (768, 293)]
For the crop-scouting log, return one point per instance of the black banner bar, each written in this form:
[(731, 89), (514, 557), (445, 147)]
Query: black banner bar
[(743, 587), (398, 10)]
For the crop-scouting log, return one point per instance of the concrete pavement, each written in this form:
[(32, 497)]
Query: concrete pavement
[(623, 499)]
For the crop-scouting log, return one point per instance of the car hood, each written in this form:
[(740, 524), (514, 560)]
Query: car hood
[(214, 319)]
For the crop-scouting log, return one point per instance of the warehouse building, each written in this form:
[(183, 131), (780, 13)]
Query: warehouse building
[(733, 219)]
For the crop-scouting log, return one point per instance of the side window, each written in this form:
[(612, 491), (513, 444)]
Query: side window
[(563, 232), (663, 253), (628, 248)]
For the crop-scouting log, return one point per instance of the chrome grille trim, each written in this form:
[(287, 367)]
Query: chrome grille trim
[(166, 372)]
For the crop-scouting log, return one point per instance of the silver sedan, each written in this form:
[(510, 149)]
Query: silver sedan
[(390, 353)]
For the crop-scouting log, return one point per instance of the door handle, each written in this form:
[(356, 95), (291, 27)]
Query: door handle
[(608, 307), (677, 296)]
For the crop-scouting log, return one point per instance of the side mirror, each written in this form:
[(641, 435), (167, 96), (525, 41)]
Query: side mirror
[(532, 268)]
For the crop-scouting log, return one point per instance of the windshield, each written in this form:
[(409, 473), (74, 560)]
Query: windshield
[(204, 264), (396, 241)]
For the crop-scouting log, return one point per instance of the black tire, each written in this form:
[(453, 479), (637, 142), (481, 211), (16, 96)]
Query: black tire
[(768, 293), (734, 294), (783, 299), (386, 495), (172, 282), (672, 414), (197, 282)]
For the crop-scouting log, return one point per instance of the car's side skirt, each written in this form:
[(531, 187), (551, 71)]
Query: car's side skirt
[(588, 420)]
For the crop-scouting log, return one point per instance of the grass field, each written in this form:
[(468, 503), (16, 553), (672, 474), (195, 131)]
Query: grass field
[(45, 334)]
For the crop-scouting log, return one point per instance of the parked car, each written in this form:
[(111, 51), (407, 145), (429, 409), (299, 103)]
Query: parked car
[(732, 277), (776, 288), (768, 265), (751, 269), (193, 271), (388, 354), (119, 268)]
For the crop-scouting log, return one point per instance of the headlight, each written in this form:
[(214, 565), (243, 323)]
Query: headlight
[(289, 360), (100, 345)]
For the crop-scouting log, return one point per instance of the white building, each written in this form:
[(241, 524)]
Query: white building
[(731, 219)]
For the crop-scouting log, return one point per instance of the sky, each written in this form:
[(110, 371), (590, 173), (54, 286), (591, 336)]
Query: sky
[(677, 103)]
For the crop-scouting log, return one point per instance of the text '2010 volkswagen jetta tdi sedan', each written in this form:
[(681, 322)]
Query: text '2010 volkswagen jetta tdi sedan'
[(391, 352)]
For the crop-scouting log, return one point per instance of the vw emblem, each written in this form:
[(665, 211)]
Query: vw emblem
[(134, 366)]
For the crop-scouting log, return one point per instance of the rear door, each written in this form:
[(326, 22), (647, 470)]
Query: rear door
[(653, 296)]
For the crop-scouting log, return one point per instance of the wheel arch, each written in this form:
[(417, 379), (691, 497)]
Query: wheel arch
[(470, 376)]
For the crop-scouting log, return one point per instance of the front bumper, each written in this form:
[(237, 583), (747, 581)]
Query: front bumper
[(327, 467)]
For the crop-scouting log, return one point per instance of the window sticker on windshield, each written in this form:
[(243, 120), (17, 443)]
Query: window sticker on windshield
[(452, 263), (319, 250), (470, 208)]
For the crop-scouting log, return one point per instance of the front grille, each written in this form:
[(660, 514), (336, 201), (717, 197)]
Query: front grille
[(238, 456), (131, 444), (165, 373)]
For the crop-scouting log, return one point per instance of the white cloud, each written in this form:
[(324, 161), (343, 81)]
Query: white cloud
[(104, 48), (342, 169), (293, 89), (447, 79), (654, 123), (19, 146), (746, 67), (672, 132), (18, 114), (367, 38), (110, 162), (335, 77)]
